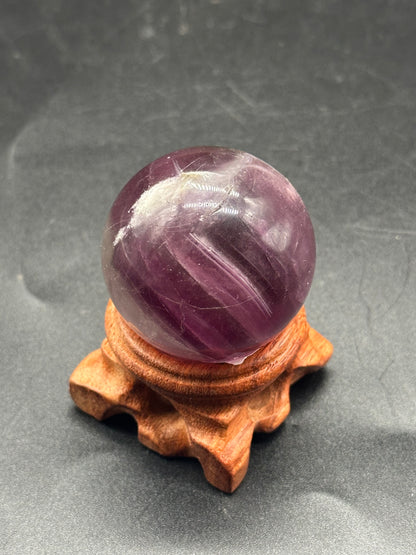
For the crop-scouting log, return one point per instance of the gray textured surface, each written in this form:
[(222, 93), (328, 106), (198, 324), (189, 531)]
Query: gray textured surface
[(324, 91)]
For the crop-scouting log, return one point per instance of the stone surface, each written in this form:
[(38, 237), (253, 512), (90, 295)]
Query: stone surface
[(208, 252)]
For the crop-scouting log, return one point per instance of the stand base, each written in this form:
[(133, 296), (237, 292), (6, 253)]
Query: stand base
[(192, 409)]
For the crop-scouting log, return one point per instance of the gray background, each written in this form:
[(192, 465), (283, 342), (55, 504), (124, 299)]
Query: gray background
[(324, 91)]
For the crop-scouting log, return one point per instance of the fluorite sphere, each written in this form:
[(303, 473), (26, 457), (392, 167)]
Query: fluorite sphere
[(208, 252)]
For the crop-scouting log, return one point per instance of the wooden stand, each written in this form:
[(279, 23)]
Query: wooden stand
[(207, 411)]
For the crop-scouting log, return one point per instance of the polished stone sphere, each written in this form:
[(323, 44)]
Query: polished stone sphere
[(208, 253)]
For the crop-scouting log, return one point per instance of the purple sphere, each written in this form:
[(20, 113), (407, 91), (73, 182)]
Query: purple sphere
[(208, 252)]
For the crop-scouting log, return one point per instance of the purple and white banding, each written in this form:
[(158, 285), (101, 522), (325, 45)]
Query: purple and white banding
[(208, 252)]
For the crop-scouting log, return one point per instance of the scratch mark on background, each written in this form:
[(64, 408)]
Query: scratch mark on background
[(402, 289), (357, 350), (230, 111), (387, 230), (391, 83), (386, 389), (11, 158), (386, 369), (183, 27), (241, 95), (162, 116), (364, 300)]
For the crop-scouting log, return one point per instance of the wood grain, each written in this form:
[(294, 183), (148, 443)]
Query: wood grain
[(207, 411)]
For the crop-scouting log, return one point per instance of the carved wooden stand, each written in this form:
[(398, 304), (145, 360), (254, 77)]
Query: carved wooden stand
[(207, 411)]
